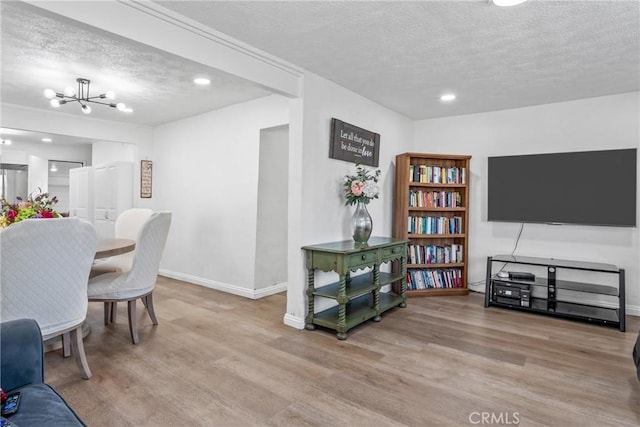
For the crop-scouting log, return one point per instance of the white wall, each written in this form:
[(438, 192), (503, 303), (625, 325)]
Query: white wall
[(272, 224), (321, 214), (38, 174), (108, 151), (608, 122), (206, 173)]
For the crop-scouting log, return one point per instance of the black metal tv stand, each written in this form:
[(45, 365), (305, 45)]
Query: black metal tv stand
[(550, 294)]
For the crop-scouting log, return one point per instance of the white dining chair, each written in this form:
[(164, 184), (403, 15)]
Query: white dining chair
[(128, 225), (44, 269), (140, 280)]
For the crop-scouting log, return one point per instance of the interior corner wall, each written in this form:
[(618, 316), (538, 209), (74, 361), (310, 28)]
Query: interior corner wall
[(323, 212), (205, 170), (272, 211), (608, 122)]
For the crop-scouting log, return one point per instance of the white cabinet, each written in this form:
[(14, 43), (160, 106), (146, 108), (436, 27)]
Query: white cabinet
[(100, 193), (113, 194), (81, 193)]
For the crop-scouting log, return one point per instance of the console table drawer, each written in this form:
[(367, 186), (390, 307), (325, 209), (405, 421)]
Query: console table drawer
[(393, 252), (363, 259)]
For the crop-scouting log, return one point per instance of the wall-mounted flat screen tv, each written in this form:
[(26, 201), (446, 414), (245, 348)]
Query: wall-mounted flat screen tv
[(587, 187)]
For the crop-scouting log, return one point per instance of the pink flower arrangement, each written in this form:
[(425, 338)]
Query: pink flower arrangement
[(361, 187)]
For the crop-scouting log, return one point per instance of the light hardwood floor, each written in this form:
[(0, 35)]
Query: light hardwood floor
[(220, 360)]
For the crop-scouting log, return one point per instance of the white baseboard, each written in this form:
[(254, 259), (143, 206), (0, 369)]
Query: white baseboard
[(293, 321), (225, 287)]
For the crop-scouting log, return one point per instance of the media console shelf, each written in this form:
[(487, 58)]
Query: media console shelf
[(595, 292)]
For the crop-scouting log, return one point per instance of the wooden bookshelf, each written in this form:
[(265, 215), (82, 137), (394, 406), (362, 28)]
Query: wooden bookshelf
[(431, 211)]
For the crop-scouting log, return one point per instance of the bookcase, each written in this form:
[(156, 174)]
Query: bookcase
[(431, 212)]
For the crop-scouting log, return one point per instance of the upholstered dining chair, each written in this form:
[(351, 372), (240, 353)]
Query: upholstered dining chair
[(128, 225), (140, 280), (44, 269)]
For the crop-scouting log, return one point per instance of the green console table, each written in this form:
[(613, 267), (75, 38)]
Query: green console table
[(359, 298)]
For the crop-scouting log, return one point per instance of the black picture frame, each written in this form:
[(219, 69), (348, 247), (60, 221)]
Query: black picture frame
[(353, 144)]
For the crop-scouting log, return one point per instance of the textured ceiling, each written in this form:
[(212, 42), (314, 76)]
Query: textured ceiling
[(43, 50), (404, 55)]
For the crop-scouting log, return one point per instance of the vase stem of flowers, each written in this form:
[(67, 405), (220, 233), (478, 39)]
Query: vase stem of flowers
[(359, 190)]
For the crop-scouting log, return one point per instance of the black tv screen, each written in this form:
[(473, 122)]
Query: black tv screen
[(587, 187)]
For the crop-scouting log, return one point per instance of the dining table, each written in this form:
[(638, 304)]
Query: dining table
[(111, 247)]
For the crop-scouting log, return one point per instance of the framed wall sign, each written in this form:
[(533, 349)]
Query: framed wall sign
[(146, 169), (353, 144)]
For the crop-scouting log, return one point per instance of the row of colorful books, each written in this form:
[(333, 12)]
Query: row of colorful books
[(437, 174), (434, 279), (434, 225), (434, 199), (433, 254)]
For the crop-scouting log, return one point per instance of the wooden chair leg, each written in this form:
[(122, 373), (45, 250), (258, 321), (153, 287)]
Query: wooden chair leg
[(66, 344), (133, 323), (149, 304), (77, 346), (144, 301)]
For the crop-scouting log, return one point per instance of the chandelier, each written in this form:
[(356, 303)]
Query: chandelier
[(82, 97)]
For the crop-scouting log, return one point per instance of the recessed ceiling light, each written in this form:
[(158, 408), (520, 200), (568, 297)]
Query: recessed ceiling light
[(448, 97), (46, 140), (128, 110), (202, 81), (507, 3)]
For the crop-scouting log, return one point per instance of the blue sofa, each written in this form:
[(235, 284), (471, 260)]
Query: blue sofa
[(22, 369), (636, 355)]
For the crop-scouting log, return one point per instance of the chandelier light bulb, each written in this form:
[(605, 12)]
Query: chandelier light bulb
[(121, 106), (110, 94), (55, 102), (86, 109), (49, 93), (69, 91)]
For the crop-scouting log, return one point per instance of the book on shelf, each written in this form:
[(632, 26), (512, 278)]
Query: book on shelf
[(434, 278), (434, 225), (434, 199), (435, 254), (434, 174)]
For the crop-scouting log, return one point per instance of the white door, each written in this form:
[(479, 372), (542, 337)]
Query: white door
[(104, 177), (80, 187)]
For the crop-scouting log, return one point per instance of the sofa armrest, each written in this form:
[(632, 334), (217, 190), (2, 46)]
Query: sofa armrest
[(636, 355), (21, 354)]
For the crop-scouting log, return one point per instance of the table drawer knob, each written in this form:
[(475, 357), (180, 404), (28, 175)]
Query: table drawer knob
[(364, 257)]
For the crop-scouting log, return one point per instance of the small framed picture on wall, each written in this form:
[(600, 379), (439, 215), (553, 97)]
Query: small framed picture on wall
[(146, 174)]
